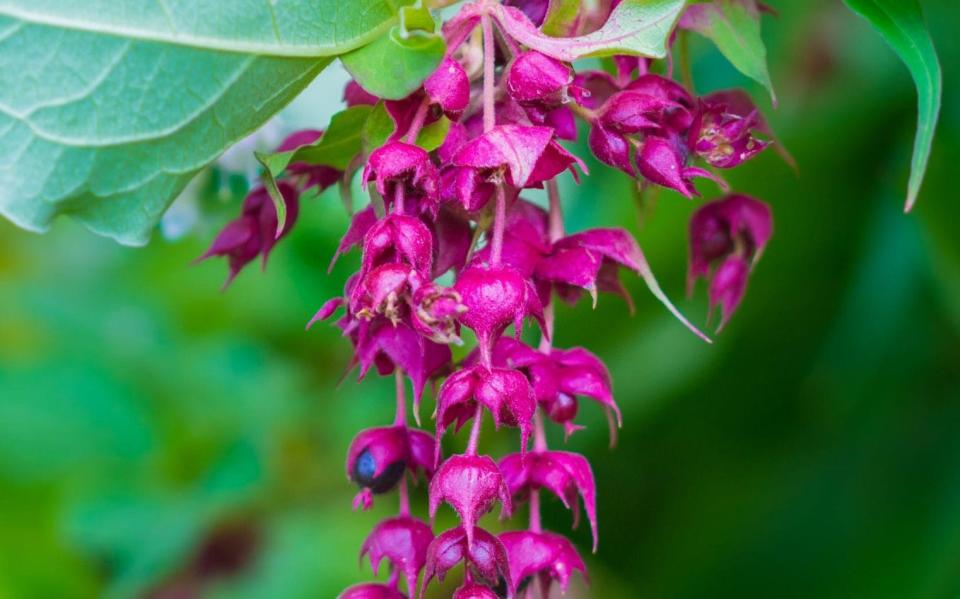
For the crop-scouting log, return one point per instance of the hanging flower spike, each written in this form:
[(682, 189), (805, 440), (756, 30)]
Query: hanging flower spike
[(254, 233), (403, 542), (578, 260), (485, 558), (378, 457), (733, 232), (562, 473), (544, 556), (496, 297), (471, 484), (723, 135), (405, 171), (371, 590)]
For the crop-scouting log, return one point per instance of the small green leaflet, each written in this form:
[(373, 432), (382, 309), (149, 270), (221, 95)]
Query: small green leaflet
[(336, 148), (901, 24), (734, 27), (394, 65)]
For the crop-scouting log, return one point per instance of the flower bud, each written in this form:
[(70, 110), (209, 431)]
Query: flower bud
[(475, 591), (398, 238), (533, 77), (496, 297), (371, 590), (399, 167), (449, 87)]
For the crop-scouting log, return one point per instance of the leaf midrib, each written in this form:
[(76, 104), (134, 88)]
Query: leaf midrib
[(279, 49)]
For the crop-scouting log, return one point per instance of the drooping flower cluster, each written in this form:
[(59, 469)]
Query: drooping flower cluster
[(458, 207)]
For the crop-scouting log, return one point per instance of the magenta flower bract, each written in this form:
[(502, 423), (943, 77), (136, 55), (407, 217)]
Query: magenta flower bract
[(404, 173), (496, 298), (484, 556), (403, 542), (563, 473), (471, 485), (449, 87), (505, 393), (255, 232), (731, 233), (542, 555)]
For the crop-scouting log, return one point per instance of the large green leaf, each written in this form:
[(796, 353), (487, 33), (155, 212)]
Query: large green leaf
[(107, 109), (900, 22), (734, 26)]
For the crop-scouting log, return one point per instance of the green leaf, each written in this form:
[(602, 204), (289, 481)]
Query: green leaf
[(273, 165), (395, 65), (734, 27), (337, 147), (378, 128), (635, 27), (340, 142), (901, 24), (561, 18), (108, 109), (431, 136)]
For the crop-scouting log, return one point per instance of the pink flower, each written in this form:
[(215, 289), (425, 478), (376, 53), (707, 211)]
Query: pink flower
[(731, 235), (404, 173), (723, 133), (475, 591), (505, 393), (484, 556), (562, 473), (254, 233), (542, 555), (471, 485), (403, 542), (496, 297), (449, 88)]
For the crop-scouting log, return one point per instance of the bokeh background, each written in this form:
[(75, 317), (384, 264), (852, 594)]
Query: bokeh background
[(158, 437)]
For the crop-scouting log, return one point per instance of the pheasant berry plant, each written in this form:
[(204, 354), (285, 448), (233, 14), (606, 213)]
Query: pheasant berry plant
[(447, 171)]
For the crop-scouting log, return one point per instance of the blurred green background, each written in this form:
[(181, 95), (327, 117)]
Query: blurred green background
[(159, 437)]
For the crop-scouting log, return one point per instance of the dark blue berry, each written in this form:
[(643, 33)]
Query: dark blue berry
[(365, 467)]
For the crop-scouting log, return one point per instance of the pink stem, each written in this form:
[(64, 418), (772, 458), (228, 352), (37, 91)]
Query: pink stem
[(401, 419), (535, 510), (556, 211), (398, 198), (499, 223), (418, 120), (489, 118), (475, 430), (404, 496)]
